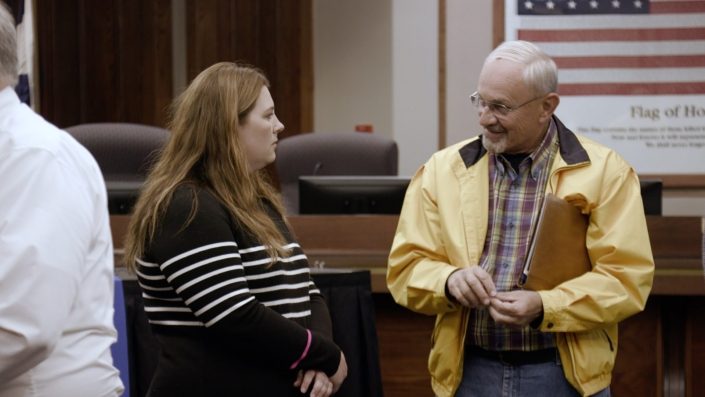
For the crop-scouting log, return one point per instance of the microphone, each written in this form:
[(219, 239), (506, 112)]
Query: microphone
[(317, 167)]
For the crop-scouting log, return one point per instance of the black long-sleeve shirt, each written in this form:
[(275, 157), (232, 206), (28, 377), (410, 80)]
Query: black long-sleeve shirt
[(229, 321)]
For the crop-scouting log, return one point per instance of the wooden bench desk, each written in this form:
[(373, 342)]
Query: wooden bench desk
[(661, 350)]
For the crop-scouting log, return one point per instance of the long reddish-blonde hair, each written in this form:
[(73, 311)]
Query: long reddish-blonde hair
[(204, 150)]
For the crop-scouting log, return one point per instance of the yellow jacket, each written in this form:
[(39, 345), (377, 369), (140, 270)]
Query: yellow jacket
[(442, 227)]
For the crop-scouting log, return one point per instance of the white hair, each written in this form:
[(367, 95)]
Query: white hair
[(8, 48), (540, 72)]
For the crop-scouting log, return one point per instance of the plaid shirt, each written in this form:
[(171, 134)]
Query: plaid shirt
[(515, 197)]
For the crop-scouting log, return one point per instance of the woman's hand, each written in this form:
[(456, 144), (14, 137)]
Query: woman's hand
[(340, 375), (319, 383)]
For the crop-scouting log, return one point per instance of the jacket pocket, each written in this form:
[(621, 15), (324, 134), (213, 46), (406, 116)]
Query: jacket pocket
[(593, 352), (444, 361)]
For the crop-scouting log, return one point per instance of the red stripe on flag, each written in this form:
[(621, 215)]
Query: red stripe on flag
[(670, 61), (677, 7), (632, 88), (575, 35)]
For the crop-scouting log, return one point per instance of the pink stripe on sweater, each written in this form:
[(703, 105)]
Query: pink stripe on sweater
[(305, 353)]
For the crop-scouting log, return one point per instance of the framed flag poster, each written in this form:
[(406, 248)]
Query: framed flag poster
[(631, 76)]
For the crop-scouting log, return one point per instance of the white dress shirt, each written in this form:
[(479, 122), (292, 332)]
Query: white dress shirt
[(56, 263)]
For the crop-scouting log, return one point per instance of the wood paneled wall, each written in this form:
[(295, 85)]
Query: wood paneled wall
[(104, 60), (273, 35), (111, 60)]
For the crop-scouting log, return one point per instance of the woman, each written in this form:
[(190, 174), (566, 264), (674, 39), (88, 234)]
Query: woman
[(227, 290)]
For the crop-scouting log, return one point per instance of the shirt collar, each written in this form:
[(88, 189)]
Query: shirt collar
[(537, 159), (8, 97)]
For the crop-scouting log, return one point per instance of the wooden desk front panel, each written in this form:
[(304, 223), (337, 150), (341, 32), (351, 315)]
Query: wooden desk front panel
[(364, 241), (404, 344), (661, 350), (695, 347)]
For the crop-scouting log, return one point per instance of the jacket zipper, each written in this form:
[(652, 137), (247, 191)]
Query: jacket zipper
[(608, 340)]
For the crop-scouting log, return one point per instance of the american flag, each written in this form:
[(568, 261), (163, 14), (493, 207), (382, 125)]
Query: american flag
[(617, 47)]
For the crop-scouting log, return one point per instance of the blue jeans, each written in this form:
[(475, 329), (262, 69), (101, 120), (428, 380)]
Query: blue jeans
[(483, 377)]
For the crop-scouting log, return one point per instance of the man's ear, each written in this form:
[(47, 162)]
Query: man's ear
[(549, 105)]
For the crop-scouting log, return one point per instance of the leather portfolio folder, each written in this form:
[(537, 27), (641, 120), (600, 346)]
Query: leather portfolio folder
[(557, 252)]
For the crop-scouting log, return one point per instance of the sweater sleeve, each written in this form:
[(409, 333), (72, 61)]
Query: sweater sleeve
[(320, 316), (198, 254)]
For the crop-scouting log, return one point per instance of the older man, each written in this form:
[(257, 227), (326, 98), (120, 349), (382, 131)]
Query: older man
[(465, 230)]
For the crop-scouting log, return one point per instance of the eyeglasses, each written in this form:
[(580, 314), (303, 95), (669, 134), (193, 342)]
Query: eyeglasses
[(498, 109)]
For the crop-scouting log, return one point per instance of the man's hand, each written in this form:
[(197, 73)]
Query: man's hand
[(517, 308), (471, 287)]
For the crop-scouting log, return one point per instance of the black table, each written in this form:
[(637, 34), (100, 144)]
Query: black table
[(351, 308)]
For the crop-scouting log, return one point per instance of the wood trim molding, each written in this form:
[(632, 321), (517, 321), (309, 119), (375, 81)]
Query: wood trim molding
[(679, 181), (306, 62), (497, 22), (442, 114)]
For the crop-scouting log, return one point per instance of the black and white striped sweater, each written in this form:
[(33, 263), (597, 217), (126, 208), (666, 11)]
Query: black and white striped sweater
[(207, 279)]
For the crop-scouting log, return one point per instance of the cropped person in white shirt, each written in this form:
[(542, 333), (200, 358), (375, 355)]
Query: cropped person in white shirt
[(56, 259)]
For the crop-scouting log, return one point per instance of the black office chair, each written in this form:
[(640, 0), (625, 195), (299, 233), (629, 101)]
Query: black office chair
[(125, 152), (319, 153)]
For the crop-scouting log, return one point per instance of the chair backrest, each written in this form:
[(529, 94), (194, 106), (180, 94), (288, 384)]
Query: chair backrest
[(349, 153), (124, 151)]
